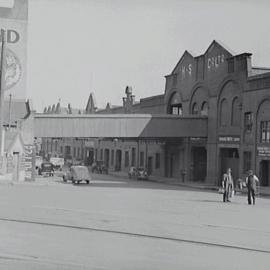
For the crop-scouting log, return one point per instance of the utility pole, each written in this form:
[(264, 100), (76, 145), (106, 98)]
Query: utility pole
[(9, 111), (2, 89)]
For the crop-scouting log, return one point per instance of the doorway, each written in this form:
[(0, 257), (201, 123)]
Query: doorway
[(264, 172), (199, 158)]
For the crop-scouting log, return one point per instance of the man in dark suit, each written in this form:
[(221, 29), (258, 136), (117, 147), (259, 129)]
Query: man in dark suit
[(251, 182)]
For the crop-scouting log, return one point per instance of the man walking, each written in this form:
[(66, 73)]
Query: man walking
[(227, 185), (251, 182)]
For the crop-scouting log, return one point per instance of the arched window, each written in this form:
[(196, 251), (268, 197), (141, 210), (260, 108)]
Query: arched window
[(175, 104), (236, 112), (204, 109), (195, 108), (224, 113)]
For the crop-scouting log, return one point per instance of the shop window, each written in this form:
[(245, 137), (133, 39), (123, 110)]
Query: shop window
[(78, 152), (61, 149), (247, 161), (74, 152), (224, 113), (265, 132), (204, 109), (126, 159), (141, 159), (236, 112), (248, 121), (112, 157), (55, 146), (157, 160), (195, 109), (133, 156)]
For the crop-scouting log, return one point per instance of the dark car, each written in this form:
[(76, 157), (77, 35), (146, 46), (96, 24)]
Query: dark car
[(99, 167), (46, 169), (142, 174), (77, 174)]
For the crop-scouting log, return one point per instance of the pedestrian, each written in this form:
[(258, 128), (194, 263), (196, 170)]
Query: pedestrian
[(251, 183), (227, 185)]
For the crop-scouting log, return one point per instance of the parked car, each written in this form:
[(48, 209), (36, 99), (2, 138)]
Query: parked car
[(142, 174), (99, 167), (46, 169), (77, 174), (132, 172), (57, 162)]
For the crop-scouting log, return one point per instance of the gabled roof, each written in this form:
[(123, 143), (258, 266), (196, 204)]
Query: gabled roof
[(182, 57), (221, 45)]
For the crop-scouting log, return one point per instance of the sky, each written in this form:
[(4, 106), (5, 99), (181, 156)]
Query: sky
[(80, 46)]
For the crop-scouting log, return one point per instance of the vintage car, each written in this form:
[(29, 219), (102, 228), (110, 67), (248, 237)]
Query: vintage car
[(77, 174), (99, 167), (46, 169), (142, 174)]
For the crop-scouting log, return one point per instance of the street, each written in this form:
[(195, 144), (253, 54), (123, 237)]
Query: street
[(116, 223)]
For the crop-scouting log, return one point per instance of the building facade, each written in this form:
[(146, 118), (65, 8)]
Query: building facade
[(218, 85)]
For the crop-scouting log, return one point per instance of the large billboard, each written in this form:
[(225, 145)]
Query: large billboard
[(13, 19)]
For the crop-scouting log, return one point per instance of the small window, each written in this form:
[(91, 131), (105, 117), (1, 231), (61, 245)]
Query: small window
[(247, 161), (248, 121), (204, 109), (157, 160), (265, 132)]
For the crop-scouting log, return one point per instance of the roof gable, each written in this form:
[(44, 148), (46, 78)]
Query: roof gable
[(186, 55), (214, 44)]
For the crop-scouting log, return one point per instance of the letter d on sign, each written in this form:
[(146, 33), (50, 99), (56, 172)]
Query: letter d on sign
[(12, 36)]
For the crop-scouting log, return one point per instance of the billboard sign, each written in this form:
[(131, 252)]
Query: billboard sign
[(13, 19)]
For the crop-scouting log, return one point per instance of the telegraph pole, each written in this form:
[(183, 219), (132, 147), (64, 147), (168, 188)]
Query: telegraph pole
[(2, 89)]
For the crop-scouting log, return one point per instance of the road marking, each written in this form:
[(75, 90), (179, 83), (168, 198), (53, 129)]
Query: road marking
[(136, 235)]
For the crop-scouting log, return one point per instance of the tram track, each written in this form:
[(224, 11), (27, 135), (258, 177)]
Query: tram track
[(137, 235)]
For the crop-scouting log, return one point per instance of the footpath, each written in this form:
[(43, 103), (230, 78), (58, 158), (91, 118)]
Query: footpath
[(262, 191)]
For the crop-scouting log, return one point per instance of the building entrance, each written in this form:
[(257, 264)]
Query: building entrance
[(199, 158), (229, 158), (264, 172)]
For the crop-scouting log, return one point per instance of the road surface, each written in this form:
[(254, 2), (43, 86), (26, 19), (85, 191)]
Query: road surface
[(116, 223)]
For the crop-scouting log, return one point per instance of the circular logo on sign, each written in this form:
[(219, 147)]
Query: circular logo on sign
[(13, 69)]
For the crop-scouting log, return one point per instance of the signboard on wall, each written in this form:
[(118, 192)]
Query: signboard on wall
[(263, 151), (29, 162), (13, 19), (229, 139)]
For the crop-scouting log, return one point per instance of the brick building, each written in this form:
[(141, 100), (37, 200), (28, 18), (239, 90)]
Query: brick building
[(218, 86)]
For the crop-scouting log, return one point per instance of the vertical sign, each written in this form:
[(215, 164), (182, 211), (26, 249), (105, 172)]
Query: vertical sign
[(29, 162)]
